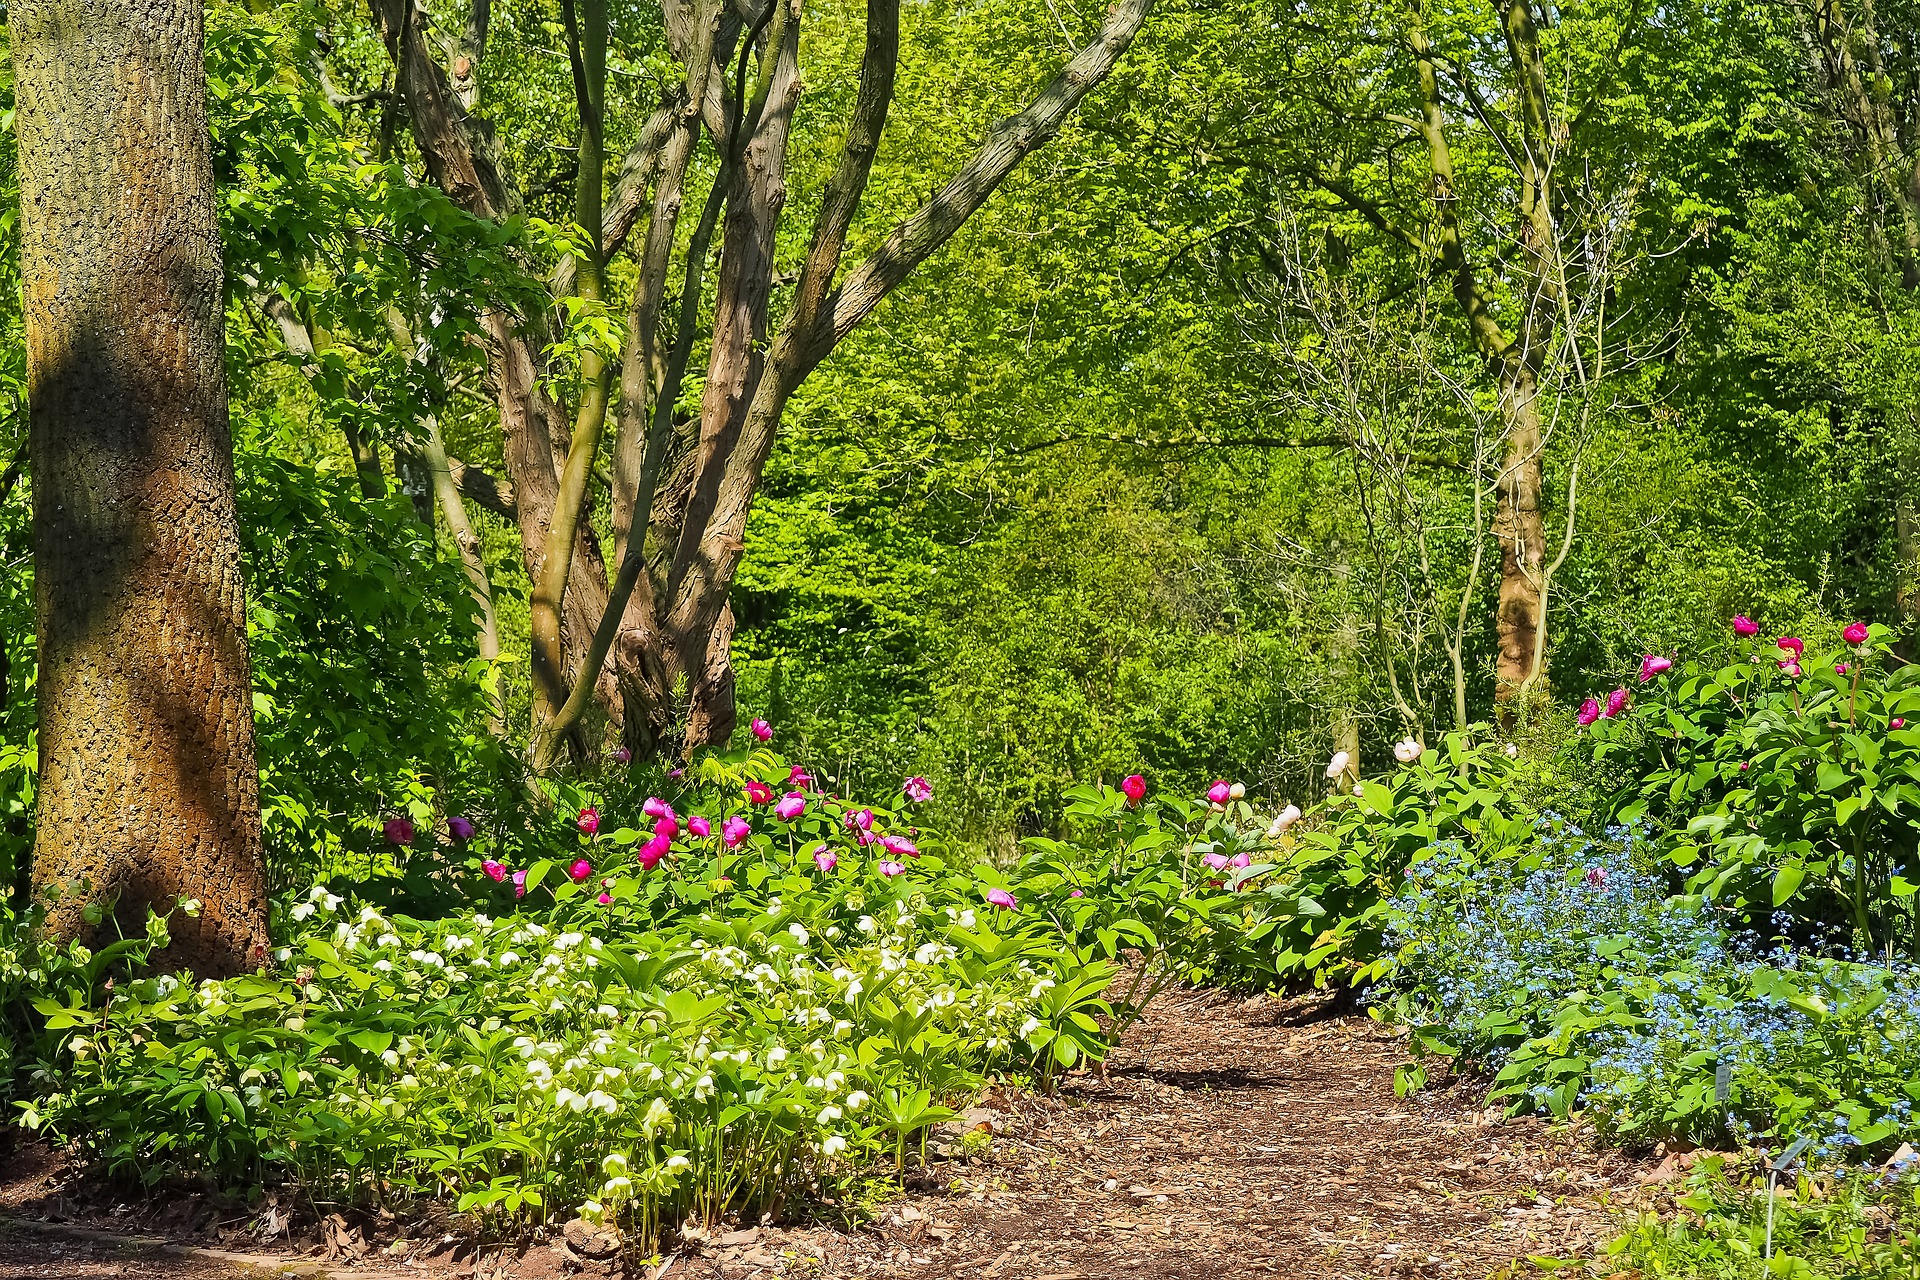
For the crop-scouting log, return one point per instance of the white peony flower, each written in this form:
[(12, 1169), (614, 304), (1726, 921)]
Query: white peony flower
[(1338, 765)]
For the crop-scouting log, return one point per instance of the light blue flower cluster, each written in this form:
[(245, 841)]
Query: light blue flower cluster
[(1570, 971)]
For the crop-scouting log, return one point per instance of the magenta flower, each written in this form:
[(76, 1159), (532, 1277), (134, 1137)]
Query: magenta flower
[(1896, 723), (1839, 668), (519, 884), (1218, 861), (1589, 712), (667, 828), (890, 869), (861, 819), (460, 828), (655, 807), (1855, 634), (1134, 788), (1744, 766), (1790, 667), (1002, 899), (1219, 793), (589, 821), (1076, 894), (1792, 644), (655, 849), (1745, 626), (397, 831), (580, 870), (735, 830), (761, 729), (1652, 665), (824, 858), (622, 756), (1616, 703), (496, 871), (798, 777), (899, 846), (1597, 877), (699, 826), (1239, 860), (917, 790), (758, 792), (791, 806)]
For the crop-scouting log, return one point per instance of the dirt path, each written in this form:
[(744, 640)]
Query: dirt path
[(1230, 1138), (1235, 1138)]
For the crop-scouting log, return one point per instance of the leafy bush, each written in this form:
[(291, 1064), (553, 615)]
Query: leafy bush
[(1568, 972), (1787, 780), (753, 1000)]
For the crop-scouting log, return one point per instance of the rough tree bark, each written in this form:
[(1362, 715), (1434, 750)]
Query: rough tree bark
[(148, 787)]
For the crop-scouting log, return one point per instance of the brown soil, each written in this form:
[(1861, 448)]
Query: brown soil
[(1228, 1138)]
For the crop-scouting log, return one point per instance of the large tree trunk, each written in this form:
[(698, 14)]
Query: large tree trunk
[(148, 787)]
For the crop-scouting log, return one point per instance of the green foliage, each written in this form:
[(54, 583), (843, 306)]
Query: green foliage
[(368, 700), (639, 1036), (1819, 1230), (1792, 786)]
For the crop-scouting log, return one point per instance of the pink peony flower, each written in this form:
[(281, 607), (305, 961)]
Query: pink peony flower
[(667, 828), (791, 806), (1652, 665), (858, 818), (1896, 723), (397, 831), (1134, 788), (1839, 668), (699, 826), (824, 858), (1597, 877), (759, 792), (580, 870), (761, 729), (1792, 644), (622, 756), (460, 828), (589, 821), (917, 790), (1218, 861), (1616, 703), (604, 899), (1791, 668), (1076, 894), (1743, 766), (899, 846), (1855, 634), (1745, 626), (519, 884), (1219, 793), (734, 830), (1239, 860), (1589, 712), (655, 849), (1002, 899), (798, 777), (890, 869), (655, 807), (496, 871)]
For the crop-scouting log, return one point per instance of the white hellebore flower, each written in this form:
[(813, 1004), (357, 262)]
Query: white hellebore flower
[(857, 1099), (799, 933), (833, 1146), (1407, 750), (1238, 791), (1338, 765), (658, 1114), (1513, 750), (676, 1163)]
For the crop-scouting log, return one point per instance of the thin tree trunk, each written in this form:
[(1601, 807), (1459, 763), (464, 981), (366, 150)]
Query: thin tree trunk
[(468, 544), (148, 787), (1518, 528)]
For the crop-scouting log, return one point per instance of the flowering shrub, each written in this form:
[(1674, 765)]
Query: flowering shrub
[(1786, 781), (646, 1025), (1568, 972)]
